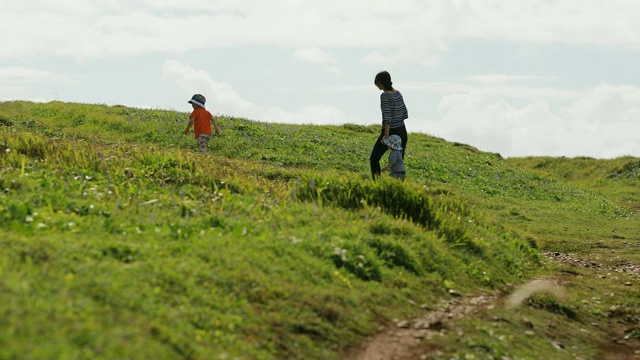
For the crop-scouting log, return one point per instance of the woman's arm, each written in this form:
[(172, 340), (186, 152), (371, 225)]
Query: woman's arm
[(385, 107), (387, 126)]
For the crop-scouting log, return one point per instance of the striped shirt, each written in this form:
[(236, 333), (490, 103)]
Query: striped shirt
[(393, 109)]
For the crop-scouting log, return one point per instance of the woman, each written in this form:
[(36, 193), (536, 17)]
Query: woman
[(394, 112)]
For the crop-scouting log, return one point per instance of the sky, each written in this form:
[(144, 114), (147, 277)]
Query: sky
[(515, 77)]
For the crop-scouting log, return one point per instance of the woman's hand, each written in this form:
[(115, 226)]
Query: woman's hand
[(385, 132)]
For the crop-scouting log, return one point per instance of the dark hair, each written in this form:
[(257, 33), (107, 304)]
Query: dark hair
[(385, 79)]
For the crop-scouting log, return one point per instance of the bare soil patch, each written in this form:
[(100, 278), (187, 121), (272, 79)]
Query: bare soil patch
[(406, 339), (400, 340)]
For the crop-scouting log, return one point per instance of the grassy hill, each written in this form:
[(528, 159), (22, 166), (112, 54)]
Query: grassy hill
[(118, 240)]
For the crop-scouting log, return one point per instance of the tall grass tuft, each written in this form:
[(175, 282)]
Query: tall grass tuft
[(449, 216)]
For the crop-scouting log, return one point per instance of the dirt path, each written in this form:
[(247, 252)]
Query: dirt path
[(409, 339), (399, 341), (620, 345)]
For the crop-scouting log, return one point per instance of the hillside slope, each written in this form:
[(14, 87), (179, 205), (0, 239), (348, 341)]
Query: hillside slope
[(118, 240)]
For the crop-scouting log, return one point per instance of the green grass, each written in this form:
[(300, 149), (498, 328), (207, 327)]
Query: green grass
[(118, 240)]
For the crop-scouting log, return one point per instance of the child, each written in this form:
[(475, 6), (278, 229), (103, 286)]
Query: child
[(396, 164), (201, 119)]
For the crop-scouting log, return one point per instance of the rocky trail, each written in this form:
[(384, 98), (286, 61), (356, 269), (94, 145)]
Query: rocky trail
[(417, 339), (401, 340)]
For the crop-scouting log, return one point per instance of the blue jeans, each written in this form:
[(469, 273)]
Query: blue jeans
[(398, 175)]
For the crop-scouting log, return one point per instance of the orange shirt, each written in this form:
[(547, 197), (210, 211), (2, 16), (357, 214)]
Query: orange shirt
[(201, 121)]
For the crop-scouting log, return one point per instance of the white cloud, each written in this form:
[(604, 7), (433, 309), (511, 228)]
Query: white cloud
[(22, 75), (502, 79), (523, 91), (410, 32), (18, 82), (567, 21), (314, 54), (220, 96), (137, 27), (505, 85), (608, 105), (428, 53), (223, 99), (602, 123)]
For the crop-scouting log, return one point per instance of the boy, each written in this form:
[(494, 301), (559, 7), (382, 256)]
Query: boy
[(201, 119), (396, 164)]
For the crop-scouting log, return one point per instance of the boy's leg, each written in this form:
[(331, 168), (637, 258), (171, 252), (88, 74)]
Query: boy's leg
[(203, 142), (399, 176)]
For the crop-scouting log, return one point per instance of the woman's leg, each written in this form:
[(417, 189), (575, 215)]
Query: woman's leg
[(376, 154), (402, 132)]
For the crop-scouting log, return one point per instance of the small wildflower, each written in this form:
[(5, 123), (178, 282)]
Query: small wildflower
[(29, 218), (343, 279)]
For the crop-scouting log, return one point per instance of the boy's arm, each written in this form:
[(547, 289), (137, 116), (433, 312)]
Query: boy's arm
[(215, 125), (392, 161), (186, 131)]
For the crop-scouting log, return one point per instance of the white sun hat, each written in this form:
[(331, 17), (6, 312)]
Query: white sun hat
[(394, 141)]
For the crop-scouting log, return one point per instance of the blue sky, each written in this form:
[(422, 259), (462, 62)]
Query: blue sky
[(517, 77)]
